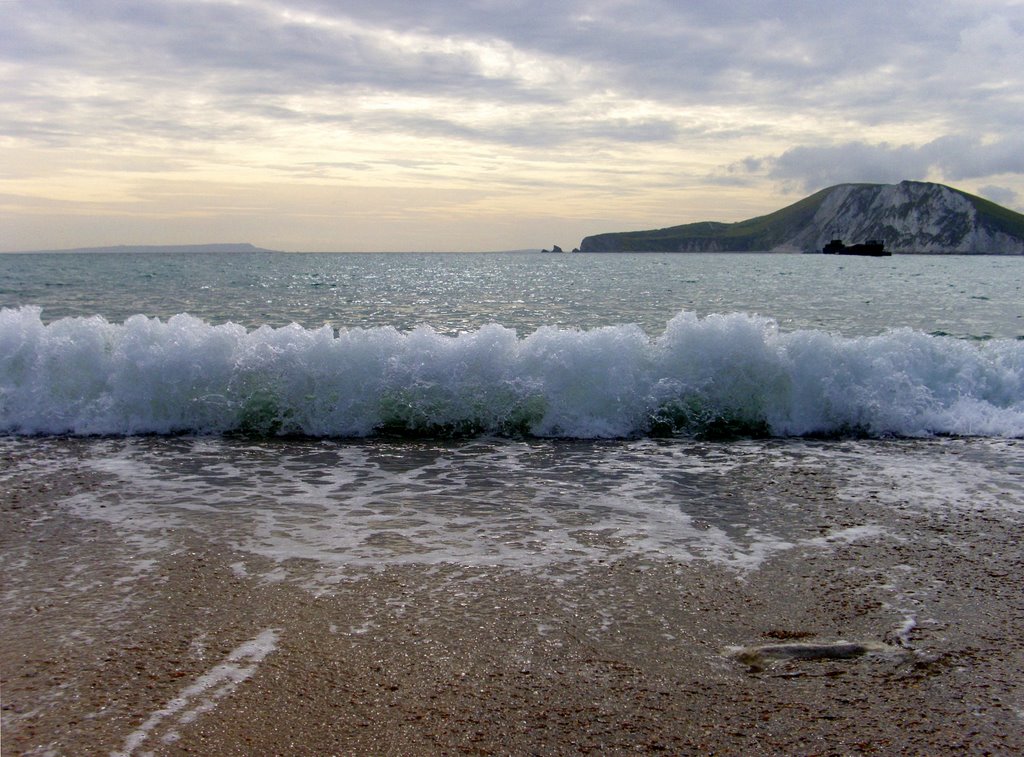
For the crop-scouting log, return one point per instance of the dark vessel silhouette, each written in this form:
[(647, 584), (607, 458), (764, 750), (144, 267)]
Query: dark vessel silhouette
[(872, 247)]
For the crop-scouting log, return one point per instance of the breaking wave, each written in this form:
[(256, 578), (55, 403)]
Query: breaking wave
[(731, 374)]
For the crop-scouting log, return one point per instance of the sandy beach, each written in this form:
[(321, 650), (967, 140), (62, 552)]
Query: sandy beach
[(204, 649)]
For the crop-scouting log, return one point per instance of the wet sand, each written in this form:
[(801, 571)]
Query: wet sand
[(207, 650)]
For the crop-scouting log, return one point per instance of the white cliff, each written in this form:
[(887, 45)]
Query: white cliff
[(911, 216)]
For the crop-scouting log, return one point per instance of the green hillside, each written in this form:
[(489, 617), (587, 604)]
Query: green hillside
[(997, 217), (905, 216), (761, 233)]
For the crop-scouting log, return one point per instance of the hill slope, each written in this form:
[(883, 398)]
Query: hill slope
[(912, 216)]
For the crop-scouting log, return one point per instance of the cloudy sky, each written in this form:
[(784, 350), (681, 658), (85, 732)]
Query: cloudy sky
[(485, 124)]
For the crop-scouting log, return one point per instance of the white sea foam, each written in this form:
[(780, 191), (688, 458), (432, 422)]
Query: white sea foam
[(322, 511), (516, 504), (733, 373), (532, 505)]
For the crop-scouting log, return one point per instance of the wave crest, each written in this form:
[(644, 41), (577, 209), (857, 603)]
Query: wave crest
[(723, 374)]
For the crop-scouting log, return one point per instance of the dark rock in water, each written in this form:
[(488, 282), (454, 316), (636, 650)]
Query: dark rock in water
[(872, 248), (911, 216)]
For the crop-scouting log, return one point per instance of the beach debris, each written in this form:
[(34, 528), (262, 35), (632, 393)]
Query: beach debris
[(762, 656)]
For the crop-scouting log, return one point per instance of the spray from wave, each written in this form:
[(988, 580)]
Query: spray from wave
[(731, 374)]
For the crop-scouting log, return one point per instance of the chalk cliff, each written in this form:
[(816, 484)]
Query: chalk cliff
[(912, 216)]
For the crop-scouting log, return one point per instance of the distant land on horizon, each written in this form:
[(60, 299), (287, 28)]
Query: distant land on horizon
[(234, 247), (909, 217), (155, 248)]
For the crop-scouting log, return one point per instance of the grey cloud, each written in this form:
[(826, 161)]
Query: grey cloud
[(816, 167), (232, 48), (707, 49), (970, 158), (671, 50), (873, 62), (543, 131), (1002, 195), (954, 157)]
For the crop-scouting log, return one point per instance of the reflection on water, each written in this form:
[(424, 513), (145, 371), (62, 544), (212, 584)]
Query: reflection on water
[(963, 296)]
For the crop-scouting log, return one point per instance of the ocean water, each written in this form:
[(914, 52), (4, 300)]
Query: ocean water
[(521, 410)]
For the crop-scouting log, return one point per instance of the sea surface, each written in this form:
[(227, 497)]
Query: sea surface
[(521, 410)]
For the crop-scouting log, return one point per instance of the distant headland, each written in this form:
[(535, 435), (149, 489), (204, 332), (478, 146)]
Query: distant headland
[(162, 248), (909, 217)]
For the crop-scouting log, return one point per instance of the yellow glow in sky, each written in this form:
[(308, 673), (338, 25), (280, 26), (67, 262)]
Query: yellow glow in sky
[(386, 126)]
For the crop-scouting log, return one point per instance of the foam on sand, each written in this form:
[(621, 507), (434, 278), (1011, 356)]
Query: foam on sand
[(203, 695)]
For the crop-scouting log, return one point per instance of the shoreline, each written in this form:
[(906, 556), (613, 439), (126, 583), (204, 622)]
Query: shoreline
[(193, 646)]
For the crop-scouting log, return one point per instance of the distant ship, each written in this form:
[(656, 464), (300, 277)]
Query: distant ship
[(872, 247)]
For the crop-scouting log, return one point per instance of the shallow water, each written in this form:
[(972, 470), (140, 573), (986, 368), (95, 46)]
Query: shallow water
[(542, 505)]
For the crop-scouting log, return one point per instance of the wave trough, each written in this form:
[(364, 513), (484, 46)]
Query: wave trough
[(722, 374)]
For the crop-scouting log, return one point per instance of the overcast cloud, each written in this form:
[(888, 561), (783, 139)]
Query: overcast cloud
[(499, 124)]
